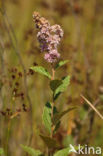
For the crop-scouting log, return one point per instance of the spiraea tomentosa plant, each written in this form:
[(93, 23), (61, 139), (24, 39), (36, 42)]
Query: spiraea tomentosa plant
[(49, 38)]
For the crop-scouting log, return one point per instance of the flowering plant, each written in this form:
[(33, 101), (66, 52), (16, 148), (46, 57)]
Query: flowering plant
[(49, 38)]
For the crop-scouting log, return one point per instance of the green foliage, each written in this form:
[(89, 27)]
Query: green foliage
[(59, 115), (31, 151), (68, 140), (50, 142), (47, 116), (41, 70), (63, 152), (86, 68), (61, 63), (62, 87), (54, 84), (1, 151)]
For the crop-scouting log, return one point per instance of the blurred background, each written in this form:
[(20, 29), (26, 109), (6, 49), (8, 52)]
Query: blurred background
[(22, 89)]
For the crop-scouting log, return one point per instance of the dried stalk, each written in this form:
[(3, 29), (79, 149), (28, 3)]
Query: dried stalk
[(91, 105)]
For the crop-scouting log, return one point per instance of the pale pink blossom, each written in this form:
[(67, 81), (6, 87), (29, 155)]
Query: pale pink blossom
[(49, 37), (52, 56)]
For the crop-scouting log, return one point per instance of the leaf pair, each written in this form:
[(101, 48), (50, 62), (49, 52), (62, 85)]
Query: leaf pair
[(56, 116), (33, 152), (59, 86), (44, 71), (50, 143)]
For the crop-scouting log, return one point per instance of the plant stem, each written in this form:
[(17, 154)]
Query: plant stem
[(53, 73), (52, 128), (50, 153)]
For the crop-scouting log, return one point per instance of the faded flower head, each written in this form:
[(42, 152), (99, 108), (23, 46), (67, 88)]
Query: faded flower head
[(49, 37)]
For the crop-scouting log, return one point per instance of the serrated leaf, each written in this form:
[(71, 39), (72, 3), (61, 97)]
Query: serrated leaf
[(54, 84), (63, 152), (31, 151), (62, 87), (41, 70), (61, 63), (58, 115), (47, 117), (50, 142), (1, 151)]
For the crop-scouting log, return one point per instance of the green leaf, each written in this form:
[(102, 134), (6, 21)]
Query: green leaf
[(47, 116), (54, 84), (41, 70), (56, 127), (58, 115), (1, 151), (62, 87), (61, 63), (63, 152), (50, 142), (31, 151)]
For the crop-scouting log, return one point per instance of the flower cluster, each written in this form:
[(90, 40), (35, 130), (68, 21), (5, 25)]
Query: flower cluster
[(49, 37)]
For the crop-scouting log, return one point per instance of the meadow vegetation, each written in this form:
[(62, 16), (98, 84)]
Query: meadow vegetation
[(25, 94)]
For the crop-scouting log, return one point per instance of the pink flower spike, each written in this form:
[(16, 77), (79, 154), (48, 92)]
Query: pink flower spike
[(49, 37)]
